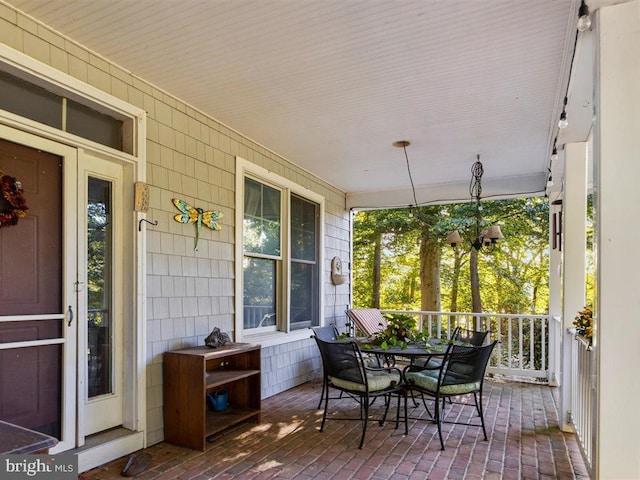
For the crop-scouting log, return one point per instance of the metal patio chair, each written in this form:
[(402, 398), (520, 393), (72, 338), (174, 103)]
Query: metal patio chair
[(327, 333), (460, 373), (346, 371)]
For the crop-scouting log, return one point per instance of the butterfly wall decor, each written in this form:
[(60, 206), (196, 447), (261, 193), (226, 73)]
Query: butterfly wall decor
[(197, 216)]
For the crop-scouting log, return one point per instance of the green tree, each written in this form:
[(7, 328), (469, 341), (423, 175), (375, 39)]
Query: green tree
[(413, 257)]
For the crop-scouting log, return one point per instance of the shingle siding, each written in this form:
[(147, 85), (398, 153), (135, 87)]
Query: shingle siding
[(191, 156)]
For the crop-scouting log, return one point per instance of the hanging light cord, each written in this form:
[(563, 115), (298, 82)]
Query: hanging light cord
[(413, 188), (566, 92)]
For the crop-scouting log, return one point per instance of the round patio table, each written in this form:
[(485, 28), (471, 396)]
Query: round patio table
[(433, 348)]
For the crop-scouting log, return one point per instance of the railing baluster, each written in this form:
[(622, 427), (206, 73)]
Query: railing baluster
[(512, 363), (543, 343), (499, 324), (520, 344), (582, 398), (532, 344)]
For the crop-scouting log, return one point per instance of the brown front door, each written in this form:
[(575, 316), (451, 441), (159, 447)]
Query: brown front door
[(31, 309)]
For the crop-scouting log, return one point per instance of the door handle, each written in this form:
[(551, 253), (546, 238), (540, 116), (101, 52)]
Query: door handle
[(70, 316)]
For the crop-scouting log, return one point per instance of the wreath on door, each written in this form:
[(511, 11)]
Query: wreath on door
[(13, 205)]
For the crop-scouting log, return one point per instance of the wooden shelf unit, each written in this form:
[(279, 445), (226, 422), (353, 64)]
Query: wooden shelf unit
[(191, 373)]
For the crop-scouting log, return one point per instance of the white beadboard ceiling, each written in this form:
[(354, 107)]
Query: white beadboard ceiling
[(331, 84)]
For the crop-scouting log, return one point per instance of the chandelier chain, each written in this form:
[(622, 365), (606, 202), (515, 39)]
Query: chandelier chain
[(475, 185)]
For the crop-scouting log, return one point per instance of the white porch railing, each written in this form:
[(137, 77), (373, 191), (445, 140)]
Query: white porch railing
[(583, 396), (523, 349)]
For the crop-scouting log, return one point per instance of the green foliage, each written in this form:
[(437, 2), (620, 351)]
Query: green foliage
[(590, 279), (400, 331), (97, 251), (513, 274), (395, 230), (584, 322)]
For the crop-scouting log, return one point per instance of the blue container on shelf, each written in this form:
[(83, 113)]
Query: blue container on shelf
[(218, 400)]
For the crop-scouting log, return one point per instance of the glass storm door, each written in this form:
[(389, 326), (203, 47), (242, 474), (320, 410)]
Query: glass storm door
[(100, 293)]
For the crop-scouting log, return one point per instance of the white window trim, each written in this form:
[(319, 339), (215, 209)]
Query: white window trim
[(244, 167)]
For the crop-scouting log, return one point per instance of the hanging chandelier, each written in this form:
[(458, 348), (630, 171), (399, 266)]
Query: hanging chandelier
[(481, 237)]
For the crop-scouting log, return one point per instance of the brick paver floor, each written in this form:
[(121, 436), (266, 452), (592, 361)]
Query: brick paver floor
[(522, 425)]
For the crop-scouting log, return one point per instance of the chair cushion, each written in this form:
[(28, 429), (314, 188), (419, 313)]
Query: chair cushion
[(428, 382), (371, 360), (378, 380), (429, 362)]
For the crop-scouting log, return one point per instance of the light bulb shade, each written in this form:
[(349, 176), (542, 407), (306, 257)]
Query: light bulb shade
[(494, 234), (584, 23), (563, 122), (584, 20), (453, 238)]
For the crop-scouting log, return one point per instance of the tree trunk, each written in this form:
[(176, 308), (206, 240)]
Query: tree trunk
[(377, 255), (412, 288), (476, 302), (429, 275)]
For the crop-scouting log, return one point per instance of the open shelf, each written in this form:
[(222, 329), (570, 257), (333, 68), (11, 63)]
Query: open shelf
[(191, 373), (218, 421), (217, 378)]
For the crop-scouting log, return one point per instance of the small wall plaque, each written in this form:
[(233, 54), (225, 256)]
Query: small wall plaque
[(141, 197)]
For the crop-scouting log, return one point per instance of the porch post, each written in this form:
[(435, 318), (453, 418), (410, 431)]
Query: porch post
[(574, 232), (617, 155)]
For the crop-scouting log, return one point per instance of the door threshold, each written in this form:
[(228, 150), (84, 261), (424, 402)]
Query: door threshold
[(99, 438), (106, 446)]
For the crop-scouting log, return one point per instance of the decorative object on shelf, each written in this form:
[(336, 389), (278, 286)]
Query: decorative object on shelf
[(13, 205), (198, 217), (584, 323), (217, 338), (218, 400), (482, 237)]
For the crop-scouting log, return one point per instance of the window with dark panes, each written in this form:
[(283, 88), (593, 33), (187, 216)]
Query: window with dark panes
[(41, 105), (262, 227), (304, 264), (277, 280)]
